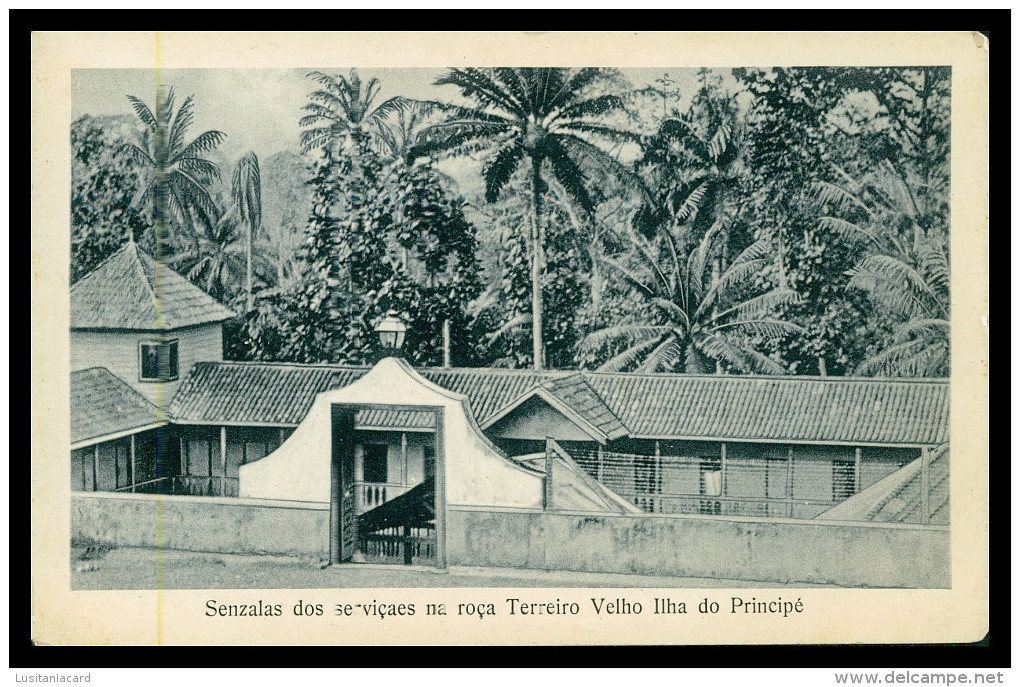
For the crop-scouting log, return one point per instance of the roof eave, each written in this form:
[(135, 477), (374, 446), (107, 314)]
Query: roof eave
[(558, 405), (101, 438)]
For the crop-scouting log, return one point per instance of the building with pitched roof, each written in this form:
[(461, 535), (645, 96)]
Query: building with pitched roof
[(156, 408), (749, 445), (143, 322), (136, 328)]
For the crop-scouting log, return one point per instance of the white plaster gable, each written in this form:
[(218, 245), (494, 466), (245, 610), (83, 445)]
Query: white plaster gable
[(477, 473)]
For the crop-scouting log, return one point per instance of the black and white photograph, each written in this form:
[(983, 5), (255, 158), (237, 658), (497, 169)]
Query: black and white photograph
[(645, 328)]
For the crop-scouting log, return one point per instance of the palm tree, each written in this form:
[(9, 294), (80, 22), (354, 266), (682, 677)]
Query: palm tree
[(532, 116), (916, 294), (398, 131), (695, 318), (246, 194), (905, 269), (178, 173), (341, 112), (693, 164), (216, 263)]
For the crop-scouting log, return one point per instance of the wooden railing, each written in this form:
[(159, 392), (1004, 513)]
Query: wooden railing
[(369, 495), (731, 505), (152, 486), (192, 485), (406, 544)]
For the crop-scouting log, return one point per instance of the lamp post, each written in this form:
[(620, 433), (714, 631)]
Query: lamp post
[(391, 330)]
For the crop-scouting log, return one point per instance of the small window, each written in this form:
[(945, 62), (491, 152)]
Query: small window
[(376, 463), (711, 485), (711, 476), (842, 479), (157, 361)]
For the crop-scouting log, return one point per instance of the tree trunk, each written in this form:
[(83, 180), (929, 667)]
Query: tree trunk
[(538, 350), (247, 274)]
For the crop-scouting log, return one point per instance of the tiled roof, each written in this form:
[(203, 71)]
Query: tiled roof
[(253, 393), (824, 409), (575, 392), (103, 405), (130, 290), (794, 409)]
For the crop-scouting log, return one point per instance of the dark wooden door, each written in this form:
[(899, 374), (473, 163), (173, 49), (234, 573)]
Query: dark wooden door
[(343, 520)]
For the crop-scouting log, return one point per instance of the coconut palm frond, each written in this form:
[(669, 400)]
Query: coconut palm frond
[(719, 142), (743, 359), (317, 113), (759, 251), (594, 159), (203, 143), (335, 83), (514, 88), (679, 130), (475, 83), (621, 332), (697, 263), (389, 107), (511, 326), (675, 311), (663, 358), (838, 198), (631, 278), (140, 155), (577, 82), (608, 132), (568, 174), (143, 112), (246, 190), (596, 107), (199, 167), (312, 139), (766, 328), (182, 121), (688, 209), (847, 230), (896, 285), (734, 278), (628, 358), (929, 328), (762, 304), (501, 167), (450, 133), (898, 360), (935, 266)]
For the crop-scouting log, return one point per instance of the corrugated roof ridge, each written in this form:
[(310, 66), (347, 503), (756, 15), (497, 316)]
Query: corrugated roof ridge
[(774, 378), (507, 371), (283, 364)]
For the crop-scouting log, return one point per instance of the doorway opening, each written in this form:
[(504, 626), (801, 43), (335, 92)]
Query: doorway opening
[(387, 491)]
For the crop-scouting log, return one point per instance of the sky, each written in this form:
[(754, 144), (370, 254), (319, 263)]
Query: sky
[(259, 109)]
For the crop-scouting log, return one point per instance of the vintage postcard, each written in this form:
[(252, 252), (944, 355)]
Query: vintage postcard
[(540, 338)]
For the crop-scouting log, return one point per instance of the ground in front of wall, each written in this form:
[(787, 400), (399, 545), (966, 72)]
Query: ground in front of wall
[(138, 568)]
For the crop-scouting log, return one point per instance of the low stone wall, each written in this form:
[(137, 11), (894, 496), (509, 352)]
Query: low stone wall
[(201, 523), (784, 551), (865, 555)]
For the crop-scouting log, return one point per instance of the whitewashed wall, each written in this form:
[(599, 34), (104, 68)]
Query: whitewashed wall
[(476, 472)]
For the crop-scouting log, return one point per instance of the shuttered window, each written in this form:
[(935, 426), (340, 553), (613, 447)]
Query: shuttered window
[(157, 361)]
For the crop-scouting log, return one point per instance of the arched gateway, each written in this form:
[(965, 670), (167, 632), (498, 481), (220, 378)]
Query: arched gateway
[(335, 456)]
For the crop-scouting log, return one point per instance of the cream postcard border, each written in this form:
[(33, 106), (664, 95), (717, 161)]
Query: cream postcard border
[(62, 616)]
